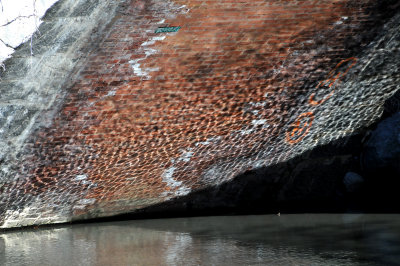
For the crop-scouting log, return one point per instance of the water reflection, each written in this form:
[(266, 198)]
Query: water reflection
[(235, 240)]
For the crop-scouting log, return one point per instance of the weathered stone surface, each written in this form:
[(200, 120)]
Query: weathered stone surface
[(122, 118)]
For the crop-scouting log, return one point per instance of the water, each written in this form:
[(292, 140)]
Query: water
[(306, 239)]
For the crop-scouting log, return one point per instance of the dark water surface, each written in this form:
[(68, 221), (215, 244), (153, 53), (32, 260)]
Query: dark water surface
[(298, 239)]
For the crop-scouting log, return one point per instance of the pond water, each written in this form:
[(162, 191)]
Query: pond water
[(295, 239)]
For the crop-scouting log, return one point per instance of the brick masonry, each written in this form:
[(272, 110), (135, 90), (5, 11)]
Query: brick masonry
[(148, 117)]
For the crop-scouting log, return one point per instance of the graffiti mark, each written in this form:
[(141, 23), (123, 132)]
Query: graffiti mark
[(345, 61), (328, 82), (167, 29), (300, 128), (333, 77)]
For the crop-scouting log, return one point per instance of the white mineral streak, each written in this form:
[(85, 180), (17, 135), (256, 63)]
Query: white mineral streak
[(83, 179), (80, 177), (83, 203), (246, 131), (86, 201), (137, 68), (111, 93), (214, 174), (181, 190), (259, 122), (341, 20), (186, 155), (185, 9), (255, 123), (168, 176), (19, 19), (153, 40), (31, 215), (208, 141)]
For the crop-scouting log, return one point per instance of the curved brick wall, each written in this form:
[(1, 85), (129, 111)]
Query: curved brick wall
[(147, 117)]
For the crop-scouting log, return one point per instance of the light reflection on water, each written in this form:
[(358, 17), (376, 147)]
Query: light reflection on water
[(305, 239)]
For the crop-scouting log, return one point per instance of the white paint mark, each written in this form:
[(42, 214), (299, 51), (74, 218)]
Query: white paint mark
[(162, 21)]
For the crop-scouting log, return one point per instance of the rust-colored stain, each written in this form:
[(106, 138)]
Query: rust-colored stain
[(301, 127), (156, 116)]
